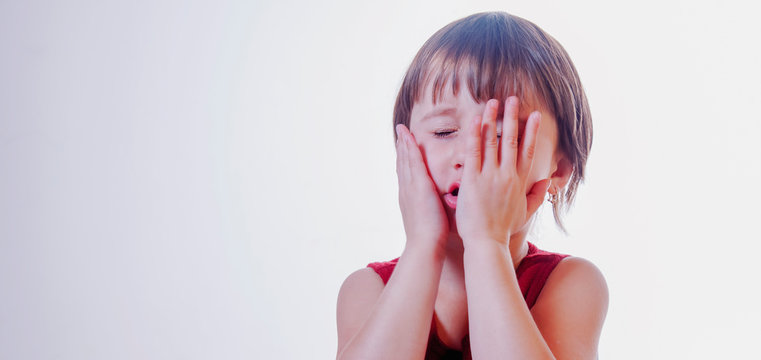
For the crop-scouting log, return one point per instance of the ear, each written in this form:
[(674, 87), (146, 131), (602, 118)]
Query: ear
[(561, 173)]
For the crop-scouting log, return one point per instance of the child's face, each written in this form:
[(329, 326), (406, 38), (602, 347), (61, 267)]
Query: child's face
[(440, 132)]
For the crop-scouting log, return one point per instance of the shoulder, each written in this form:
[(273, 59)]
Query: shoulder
[(362, 279), (364, 285), (573, 280), (579, 276), (356, 299), (572, 307), (361, 286)]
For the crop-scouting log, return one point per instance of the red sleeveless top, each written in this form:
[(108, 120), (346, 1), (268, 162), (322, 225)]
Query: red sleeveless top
[(532, 273)]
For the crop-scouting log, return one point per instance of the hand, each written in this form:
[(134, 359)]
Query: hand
[(493, 202), (425, 221)]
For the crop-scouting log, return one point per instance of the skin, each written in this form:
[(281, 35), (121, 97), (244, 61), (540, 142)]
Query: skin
[(459, 263)]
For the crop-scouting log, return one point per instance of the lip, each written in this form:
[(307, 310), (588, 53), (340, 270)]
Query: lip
[(450, 199)]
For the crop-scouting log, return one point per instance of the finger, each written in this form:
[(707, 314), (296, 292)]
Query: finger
[(417, 168), (536, 195), (528, 147), (402, 161), (417, 163), (509, 140), (473, 145), (489, 129)]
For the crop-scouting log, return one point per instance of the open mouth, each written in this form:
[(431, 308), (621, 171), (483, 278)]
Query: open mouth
[(454, 189), (450, 198)]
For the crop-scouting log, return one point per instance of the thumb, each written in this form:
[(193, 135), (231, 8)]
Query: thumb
[(535, 197)]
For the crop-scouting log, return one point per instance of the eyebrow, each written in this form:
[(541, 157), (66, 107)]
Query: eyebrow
[(443, 111)]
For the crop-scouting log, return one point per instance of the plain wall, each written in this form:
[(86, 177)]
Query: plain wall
[(195, 179)]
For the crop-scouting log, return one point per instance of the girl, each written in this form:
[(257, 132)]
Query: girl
[(491, 117)]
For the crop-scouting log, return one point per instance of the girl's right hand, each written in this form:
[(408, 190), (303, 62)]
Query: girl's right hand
[(425, 221)]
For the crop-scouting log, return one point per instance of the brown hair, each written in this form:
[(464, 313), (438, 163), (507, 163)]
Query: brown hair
[(498, 55)]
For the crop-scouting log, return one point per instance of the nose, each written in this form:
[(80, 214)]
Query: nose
[(458, 157)]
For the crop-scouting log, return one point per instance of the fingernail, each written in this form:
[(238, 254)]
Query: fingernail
[(397, 130)]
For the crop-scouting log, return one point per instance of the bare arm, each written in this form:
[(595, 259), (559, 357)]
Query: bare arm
[(397, 325), (565, 323), (494, 204), (391, 322), (571, 309), (500, 322)]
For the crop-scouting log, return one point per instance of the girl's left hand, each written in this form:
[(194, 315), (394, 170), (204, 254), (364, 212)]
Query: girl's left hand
[(492, 202)]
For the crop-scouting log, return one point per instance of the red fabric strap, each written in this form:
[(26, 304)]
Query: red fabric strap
[(532, 272)]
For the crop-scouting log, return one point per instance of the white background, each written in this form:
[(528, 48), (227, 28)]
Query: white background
[(194, 180)]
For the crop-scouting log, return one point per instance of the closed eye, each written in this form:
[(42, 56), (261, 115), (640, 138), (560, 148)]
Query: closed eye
[(443, 133)]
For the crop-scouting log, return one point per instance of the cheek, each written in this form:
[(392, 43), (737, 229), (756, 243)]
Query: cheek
[(430, 154), (434, 161), (424, 150)]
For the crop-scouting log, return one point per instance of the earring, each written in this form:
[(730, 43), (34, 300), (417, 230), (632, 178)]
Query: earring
[(553, 198)]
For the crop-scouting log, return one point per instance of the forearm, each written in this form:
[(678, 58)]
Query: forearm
[(400, 322), (500, 323)]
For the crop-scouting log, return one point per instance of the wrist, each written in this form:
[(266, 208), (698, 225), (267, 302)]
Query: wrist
[(478, 240), (486, 243), (479, 251), (425, 250)]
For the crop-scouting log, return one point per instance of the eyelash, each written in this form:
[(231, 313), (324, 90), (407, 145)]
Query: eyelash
[(443, 133)]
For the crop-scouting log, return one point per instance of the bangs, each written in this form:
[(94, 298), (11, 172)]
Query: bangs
[(483, 79)]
